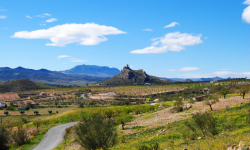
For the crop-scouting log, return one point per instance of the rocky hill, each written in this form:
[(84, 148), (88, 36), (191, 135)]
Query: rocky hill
[(46, 76), (133, 77), (20, 85), (92, 70)]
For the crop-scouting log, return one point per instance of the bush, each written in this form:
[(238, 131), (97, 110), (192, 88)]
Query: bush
[(204, 122), (37, 123), (22, 112), (4, 138), (20, 137), (177, 106), (108, 113), (10, 108), (153, 146), (96, 132)]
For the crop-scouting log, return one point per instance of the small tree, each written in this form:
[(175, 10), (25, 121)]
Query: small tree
[(36, 112), (22, 112), (50, 112), (224, 92), (123, 119), (56, 102), (108, 113), (37, 123), (6, 113), (4, 138), (96, 132), (243, 90), (211, 100)]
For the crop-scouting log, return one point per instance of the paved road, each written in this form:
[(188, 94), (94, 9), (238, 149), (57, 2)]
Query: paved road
[(53, 137), (82, 95)]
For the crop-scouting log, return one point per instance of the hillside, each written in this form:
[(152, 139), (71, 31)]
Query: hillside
[(92, 70), (46, 77), (20, 85), (133, 77)]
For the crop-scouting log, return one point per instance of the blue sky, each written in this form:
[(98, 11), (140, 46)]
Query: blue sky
[(167, 38)]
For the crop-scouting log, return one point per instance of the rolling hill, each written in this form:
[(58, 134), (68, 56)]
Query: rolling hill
[(21, 85), (133, 77)]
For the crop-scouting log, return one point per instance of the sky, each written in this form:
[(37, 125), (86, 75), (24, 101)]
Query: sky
[(166, 38)]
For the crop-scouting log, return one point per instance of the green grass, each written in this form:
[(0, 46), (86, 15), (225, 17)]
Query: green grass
[(232, 127)]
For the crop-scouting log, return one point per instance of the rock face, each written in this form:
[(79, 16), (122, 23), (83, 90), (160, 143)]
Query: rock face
[(133, 77)]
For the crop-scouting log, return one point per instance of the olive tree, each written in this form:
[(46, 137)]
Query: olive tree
[(211, 100), (243, 90)]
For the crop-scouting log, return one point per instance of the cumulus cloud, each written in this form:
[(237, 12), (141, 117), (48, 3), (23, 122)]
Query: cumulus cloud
[(60, 35), (51, 20), (246, 12), (171, 25), (3, 17), (175, 41), (63, 56), (28, 17), (147, 29), (77, 60), (185, 69)]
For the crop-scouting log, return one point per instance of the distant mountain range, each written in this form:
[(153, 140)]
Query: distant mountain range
[(47, 77), (92, 70), (132, 77), (193, 79)]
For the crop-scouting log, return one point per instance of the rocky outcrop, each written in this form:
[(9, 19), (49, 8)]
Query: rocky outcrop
[(132, 77)]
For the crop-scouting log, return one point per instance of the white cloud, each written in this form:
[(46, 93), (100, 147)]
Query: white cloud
[(63, 56), (28, 17), (189, 68), (205, 37), (42, 24), (171, 25), (3, 17), (175, 41), (247, 2), (231, 74), (44, 15), (60, 35), (185, 69), (51, 20), (77, 60), (246, 12), (2, 9), (148, 29)]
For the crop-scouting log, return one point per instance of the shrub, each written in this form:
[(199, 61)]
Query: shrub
[(4, 138), (96, 132), (177, 105), (152, 146), (20, 137), (10, 108), (204, 122)]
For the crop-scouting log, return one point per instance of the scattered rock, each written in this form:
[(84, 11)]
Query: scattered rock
[(199, 138)]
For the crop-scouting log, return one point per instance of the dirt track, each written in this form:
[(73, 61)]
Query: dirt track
[(164, 116)]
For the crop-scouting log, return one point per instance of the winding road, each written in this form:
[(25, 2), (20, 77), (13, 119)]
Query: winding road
[(53, 137)]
